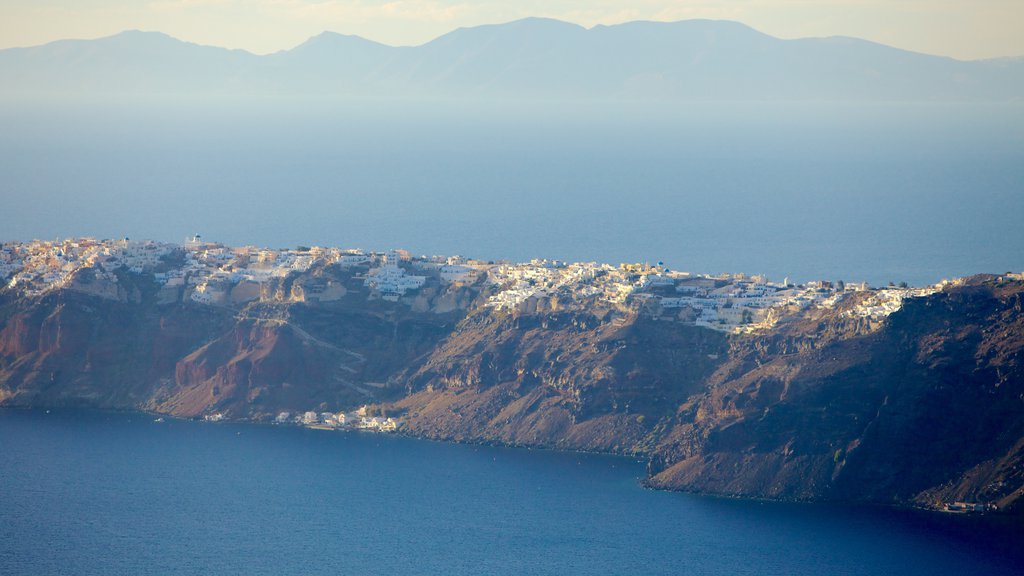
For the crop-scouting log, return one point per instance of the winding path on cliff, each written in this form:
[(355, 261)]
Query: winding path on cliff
[(305, 336)]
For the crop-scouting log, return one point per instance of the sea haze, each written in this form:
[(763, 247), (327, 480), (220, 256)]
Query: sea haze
[(97, 493), (877, 192)]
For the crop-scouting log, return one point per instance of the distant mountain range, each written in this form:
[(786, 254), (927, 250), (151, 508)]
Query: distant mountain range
[(531, 58)]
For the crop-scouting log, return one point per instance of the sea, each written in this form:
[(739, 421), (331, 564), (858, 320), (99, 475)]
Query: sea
[(875, 192), (87, 492)]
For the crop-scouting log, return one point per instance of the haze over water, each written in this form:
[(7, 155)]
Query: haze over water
[(102, 493), (875, 192)]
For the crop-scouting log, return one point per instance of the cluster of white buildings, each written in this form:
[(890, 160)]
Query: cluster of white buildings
[(214, 274), (734, 303), (357, 420), (217, 274), (37, 267), (884, 302), (390, 280), (718, 302), (521, 286)]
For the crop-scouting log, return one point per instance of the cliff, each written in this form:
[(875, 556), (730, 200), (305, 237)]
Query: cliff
[(578, 379), (926, 408), (921, 407)]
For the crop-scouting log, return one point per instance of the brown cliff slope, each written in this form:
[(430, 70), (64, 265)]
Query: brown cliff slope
[(580, 379), (310, 359), (73, 349), (927, 408), (923, 407)]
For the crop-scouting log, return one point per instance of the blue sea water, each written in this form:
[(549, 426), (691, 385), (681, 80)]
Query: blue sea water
[(114, 493), (860, 192)]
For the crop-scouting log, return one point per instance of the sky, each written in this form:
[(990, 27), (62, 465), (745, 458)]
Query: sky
[(965, 29)]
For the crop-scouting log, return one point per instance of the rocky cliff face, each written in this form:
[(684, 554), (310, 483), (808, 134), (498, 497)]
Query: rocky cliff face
[(581, 379), (926, 408), (923, 407), (73, 349)]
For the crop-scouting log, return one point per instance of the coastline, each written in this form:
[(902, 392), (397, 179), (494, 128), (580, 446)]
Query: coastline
[(644, 482)]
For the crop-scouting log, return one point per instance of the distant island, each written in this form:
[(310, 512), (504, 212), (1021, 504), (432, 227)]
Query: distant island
[(727, 384), (533, 58)]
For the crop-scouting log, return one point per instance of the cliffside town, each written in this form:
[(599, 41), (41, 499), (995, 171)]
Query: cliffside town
[(728, 384), (214, 274)]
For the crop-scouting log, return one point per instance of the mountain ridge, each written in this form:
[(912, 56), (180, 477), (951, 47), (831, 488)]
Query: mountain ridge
[(529, 58), (510, 24)]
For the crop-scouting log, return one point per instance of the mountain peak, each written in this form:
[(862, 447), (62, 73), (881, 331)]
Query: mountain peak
[(525, 28), (141, 36), (328, 37), (136, 33), (329, 45), (539, 21)]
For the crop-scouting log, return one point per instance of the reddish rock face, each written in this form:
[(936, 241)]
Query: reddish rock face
[(258, 368), (582, 380), (75, 349), (20, 335), (923, 407), (71, 348)]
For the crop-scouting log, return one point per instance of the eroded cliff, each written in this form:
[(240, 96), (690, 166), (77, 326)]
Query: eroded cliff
[(924, 406)]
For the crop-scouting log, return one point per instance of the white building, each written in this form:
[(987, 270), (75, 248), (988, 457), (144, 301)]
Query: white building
[(458, 274), (391, 280)]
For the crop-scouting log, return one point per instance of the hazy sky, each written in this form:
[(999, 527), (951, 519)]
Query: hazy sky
[(961, 28)]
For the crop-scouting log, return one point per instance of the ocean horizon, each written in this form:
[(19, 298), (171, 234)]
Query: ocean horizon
[(859, 192)]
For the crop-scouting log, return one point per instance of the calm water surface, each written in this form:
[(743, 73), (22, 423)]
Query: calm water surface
[(875, 193), (101, 493)]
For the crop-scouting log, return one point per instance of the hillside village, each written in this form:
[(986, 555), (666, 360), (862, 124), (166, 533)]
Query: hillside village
[(356, 420), (213, 274)]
